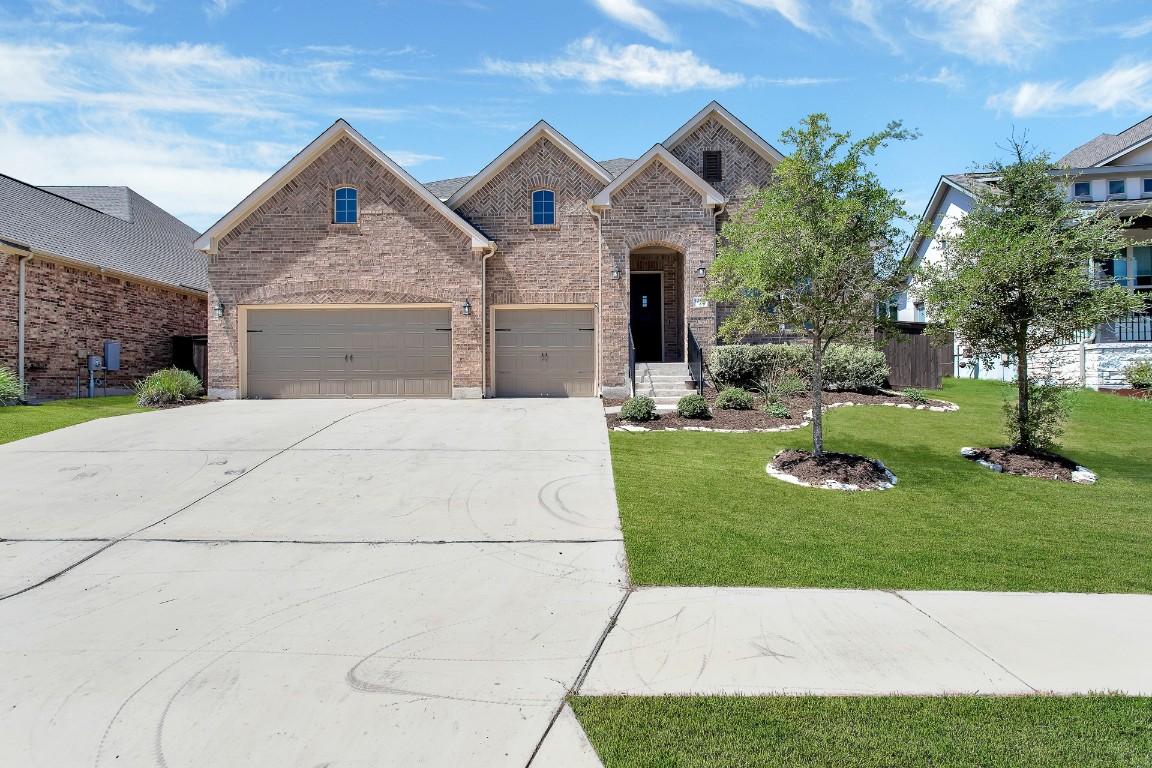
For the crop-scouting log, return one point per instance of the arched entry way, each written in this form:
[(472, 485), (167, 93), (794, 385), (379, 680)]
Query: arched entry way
[(656, 303)]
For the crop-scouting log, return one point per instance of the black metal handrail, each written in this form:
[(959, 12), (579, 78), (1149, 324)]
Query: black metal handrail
[(1135, 327), (631, 363), (695, 362)]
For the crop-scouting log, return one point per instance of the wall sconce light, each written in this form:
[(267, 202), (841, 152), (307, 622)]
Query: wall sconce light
[(701, 271), (218, 310), (466, 308), (616, 273)]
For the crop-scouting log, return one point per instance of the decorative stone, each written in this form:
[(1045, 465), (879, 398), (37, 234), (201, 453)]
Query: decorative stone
[(1083, 476), (904, 405)]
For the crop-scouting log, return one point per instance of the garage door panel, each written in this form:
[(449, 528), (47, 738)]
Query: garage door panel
[(545, 353), (372, 352)]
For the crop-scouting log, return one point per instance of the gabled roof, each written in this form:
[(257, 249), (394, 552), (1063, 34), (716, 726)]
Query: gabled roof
[(134, 238), (661, 153), (541, 129), (445, 188), (1107, 147), (340, 129), (732, 123)]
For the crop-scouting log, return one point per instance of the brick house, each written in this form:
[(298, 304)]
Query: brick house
[(84, 265), (1113, 171), (543, 275)]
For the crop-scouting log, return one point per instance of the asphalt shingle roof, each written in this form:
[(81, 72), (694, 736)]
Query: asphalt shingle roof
[(110, 227), (445, 188), (1106, 145)]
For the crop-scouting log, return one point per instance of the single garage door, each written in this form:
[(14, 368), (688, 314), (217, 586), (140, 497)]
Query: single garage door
[(545, 353), (369, 352)]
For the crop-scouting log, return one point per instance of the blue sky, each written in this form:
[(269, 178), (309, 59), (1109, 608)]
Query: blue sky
[(195, 103)]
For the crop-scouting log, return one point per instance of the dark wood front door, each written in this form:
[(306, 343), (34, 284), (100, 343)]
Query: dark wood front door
[(647, 317)]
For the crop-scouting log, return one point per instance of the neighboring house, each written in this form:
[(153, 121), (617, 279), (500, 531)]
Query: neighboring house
[(343, 276), (1113, 170), (84, 265)]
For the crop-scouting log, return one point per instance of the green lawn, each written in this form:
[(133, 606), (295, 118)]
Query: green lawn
[(870, 732), (698, 508), (20, 421)]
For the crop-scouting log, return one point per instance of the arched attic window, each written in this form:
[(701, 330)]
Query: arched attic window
[(345, 206), (543, 207)]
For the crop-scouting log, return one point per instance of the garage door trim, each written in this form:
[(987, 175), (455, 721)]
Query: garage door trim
[(242, 328), (597, 337)]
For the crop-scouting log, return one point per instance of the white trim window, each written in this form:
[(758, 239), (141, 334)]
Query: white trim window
[(918, 309), (1082, 190), (345, 206), (1131, 268), (1117, 188), (543, 208), (1147, 190)]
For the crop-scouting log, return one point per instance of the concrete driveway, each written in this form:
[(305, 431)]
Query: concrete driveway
[(344, 583)]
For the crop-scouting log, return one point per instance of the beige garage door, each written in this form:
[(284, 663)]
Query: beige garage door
[(545, 353), (349, 353)]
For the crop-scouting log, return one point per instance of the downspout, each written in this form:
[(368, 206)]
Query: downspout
[(716, 212), (20, 323), (599, 295), (490, 251)]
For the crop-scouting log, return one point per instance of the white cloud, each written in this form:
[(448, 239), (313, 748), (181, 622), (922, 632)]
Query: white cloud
[(795, 11), (946, 77), (1131, 29), (640, 67), (1127, 86), (865, 13), (216, 8), (631, 13), (997, 31)]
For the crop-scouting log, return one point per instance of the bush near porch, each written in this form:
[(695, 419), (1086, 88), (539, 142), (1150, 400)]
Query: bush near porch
[(698, 508), (858, 368)]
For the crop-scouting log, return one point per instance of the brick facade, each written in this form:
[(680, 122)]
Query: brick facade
[(288, 252), (70, 308), (405, 251)]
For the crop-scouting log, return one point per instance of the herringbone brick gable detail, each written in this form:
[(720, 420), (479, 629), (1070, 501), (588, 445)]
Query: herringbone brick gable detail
[(744, 168)]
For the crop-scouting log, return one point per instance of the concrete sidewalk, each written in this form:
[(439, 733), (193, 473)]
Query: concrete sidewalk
[(736, 641)]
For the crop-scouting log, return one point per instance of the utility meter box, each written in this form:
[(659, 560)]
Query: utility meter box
[(111, 355), (95, 363)]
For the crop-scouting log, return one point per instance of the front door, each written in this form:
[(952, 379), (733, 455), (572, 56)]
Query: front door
[(647, 317)]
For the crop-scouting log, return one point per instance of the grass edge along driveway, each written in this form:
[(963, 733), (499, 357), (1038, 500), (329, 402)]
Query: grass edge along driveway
[(869, 732), (698, 508), (20, 421)]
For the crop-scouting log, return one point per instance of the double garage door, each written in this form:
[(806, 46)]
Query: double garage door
[(407, 352), (349, 353), (545, 352)]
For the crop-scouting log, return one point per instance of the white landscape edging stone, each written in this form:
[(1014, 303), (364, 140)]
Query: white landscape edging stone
[(807, 419), (832, 485), (1081, 475)]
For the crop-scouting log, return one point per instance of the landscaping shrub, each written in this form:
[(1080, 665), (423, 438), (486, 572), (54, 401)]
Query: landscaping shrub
[(916, 395), (693, 407), (638, 409), (777, 409), (768, 367), (860, 369), (1139, 373), (735, 399), (1048, 409), (170, 385), (10, 389)]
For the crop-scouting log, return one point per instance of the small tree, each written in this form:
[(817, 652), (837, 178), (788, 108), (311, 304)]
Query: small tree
[(1016, 274), (816, 249)]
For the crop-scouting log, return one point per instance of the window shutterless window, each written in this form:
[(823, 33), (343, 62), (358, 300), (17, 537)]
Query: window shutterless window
[(543, 207), (1116, 187), (1082, 189), (1148, 186), (919, 307), (345, 210)]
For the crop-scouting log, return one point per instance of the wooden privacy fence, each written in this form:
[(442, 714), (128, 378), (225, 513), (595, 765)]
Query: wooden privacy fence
[(915, 360)]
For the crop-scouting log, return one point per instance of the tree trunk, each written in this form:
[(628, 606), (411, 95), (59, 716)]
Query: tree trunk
[(817, 401), (1022, 393)]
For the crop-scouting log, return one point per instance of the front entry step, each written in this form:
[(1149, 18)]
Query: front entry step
[(665, 383)]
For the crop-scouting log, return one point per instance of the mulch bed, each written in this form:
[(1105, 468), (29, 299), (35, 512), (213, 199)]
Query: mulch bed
[(1047, 466), (832, 469), (191, 401), (756, 419)]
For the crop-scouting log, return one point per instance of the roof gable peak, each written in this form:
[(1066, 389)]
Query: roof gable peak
[(338, 130), (659, 152), (518, 147), (716, 111)]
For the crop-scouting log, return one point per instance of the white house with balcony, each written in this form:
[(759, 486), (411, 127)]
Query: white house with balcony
[(1113, 170)]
